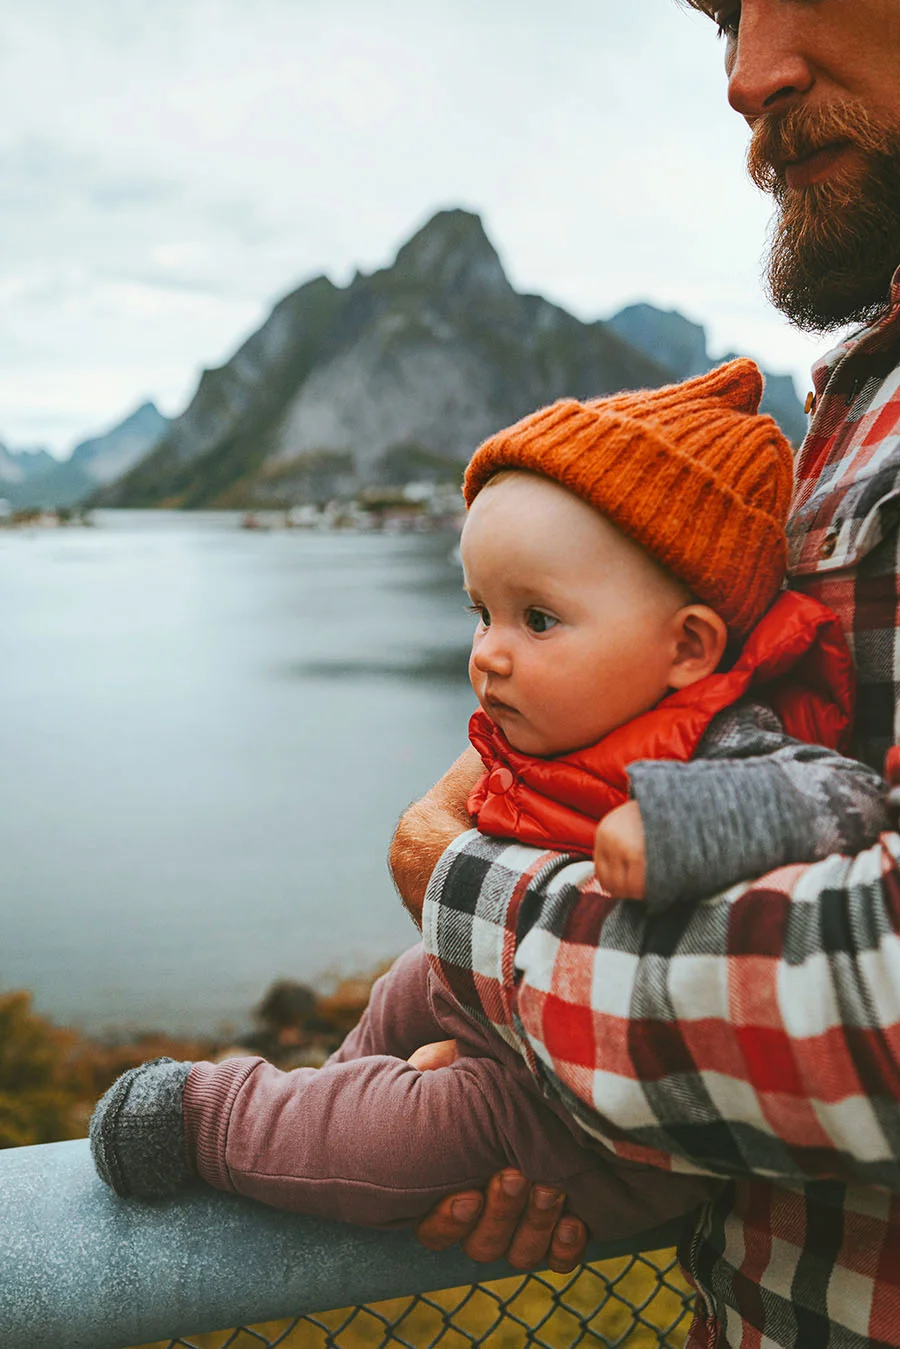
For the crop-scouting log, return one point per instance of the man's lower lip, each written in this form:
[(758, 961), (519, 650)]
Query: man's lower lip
[(815, 167)]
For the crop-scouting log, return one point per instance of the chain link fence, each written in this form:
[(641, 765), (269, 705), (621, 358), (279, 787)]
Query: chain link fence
[(637, 1302)]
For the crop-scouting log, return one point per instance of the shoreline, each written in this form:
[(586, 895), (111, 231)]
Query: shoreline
[(53, 1075)]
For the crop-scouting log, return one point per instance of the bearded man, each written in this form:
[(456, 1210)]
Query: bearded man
[(755, 1036)]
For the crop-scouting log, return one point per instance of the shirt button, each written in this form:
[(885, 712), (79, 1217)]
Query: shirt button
[(501, 780), (828, 545)]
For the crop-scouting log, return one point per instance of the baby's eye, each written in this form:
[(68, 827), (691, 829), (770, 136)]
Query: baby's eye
[(538, 621), (480, 613)]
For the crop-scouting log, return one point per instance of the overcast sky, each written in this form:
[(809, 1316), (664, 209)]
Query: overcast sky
[(170, 168)]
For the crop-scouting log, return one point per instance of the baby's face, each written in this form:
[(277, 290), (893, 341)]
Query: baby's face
[(576, 624)]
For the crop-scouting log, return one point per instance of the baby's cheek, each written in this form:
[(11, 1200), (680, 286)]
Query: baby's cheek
[(577, 722)]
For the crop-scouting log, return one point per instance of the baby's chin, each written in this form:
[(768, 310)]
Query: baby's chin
[(534, 744), (526, 738)]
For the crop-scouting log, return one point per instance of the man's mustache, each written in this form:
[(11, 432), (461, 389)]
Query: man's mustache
[(779, 139)]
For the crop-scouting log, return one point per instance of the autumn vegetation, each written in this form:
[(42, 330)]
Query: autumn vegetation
[(50, 1077)]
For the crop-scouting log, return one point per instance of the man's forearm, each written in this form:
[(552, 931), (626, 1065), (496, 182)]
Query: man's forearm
[(427, 828), (423, 833), (786, 999)]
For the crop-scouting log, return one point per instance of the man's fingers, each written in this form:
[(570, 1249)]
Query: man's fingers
[(567, 1245), (531, 1243), (505, 1200), (521, 1222), (451, 1220)]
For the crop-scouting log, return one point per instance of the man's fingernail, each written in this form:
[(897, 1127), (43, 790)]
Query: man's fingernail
[(464, 1210), (569, 1233), (544, 1198), (513, 1186)]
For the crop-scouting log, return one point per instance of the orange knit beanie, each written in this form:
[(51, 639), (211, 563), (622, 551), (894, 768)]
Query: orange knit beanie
[(692, 472)]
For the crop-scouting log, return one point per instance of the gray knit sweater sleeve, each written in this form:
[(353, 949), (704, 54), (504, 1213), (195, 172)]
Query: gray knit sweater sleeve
[(751, 799)]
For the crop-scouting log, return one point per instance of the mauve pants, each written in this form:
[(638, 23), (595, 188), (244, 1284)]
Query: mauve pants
[(369, 1139)]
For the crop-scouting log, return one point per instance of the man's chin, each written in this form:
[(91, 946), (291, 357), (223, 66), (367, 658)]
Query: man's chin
[(833, 253), (834, 172), (818, 309)]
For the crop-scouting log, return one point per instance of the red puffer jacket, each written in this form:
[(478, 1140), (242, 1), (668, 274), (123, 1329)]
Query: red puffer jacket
[(796, 660)]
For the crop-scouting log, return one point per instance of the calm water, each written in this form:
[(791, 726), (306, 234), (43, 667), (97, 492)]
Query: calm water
[(206, 737)]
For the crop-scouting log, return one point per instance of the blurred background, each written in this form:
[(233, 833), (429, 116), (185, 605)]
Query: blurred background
[(268, 275)]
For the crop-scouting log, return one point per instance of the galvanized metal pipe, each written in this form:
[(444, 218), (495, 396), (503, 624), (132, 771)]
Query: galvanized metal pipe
[(81, 1269)]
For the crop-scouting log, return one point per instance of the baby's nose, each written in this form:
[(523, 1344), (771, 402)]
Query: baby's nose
[(491, 654)]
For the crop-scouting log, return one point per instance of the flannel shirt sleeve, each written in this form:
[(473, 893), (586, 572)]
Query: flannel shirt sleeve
[(751, 799), (754, 1032)]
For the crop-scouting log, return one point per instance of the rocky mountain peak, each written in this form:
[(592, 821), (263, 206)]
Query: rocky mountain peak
[(392, 379), (452, 253)]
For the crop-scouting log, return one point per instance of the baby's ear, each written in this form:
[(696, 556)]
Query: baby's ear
[(700, 640)]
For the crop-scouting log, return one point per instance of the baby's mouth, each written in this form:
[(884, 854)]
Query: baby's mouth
[(496, 707)]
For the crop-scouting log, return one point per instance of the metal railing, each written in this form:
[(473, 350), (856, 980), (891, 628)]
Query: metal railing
[(81, 1269)]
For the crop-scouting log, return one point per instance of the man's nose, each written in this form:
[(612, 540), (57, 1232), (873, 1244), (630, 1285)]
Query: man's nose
[(491, 653), (766, 64)]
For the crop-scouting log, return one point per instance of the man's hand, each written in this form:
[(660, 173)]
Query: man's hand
[(427, 828), (620, 859), (523, 1222)]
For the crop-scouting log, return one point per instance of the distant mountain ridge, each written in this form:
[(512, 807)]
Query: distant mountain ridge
[(20, 468), (668, 337), (33, 478), (106, 457), (397, 376)]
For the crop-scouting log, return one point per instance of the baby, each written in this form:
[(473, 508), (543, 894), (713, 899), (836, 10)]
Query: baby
[(622, 557)]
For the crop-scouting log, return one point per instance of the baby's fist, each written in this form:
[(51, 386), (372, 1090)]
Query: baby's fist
[(620, 860)]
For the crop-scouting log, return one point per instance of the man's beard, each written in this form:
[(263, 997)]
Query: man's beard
[(836, 244)]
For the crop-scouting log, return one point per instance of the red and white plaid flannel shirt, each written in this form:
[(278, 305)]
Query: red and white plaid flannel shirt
[(755, 1036)]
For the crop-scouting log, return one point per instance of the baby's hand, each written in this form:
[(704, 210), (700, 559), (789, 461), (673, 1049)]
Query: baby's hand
[(620, 860), (440, 1054)]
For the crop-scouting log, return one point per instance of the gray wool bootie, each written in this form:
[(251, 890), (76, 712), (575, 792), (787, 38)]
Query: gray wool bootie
[(137, 1131)]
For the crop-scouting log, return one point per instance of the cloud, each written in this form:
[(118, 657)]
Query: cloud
[(170, 170)]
